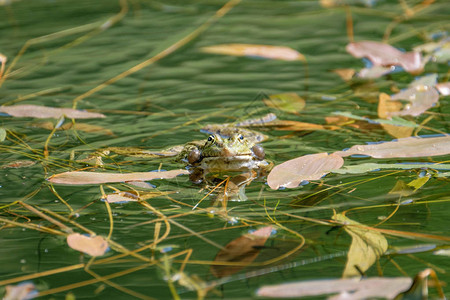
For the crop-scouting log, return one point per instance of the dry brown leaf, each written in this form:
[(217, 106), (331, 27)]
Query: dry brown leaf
[(404, 147), (309, 167), (36, 111), (366, 247), (265, 51), (242, 250), (381, 54), (92, 245), (78, 177), (354, 289), (345, 74), (388, 108)]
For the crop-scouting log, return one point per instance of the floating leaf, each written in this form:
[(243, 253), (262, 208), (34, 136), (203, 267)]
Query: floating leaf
[(367, 167), (375, 72), (405, 147), (386, 109), (2, 134), (22, 291), (309, 167), (92, 245), (366, 247), (18, 164), (381, 54), (345, 74), (354, 289), (290, 102), (264, 51), (132, 196), (77, 177), (443, 88), (420, 97), (242, 250), (36, 111)]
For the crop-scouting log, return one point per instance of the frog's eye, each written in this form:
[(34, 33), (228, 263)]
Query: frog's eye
[(241, 137), (210, 138)]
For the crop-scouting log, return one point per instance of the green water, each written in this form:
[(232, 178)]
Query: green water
[(168, 102)]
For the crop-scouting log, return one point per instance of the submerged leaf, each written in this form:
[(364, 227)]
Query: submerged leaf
[(309, 167), (381, 54), (132, 196), (289, 102), (92, 245), (354, 289), (77, 177), (264, 51), (405, 147), (2, 134), (18, 164), (36, 111), (242, 250), (366, 247), (401, 189)]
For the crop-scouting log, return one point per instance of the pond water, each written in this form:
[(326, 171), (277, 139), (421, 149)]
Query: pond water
[(72, 48)]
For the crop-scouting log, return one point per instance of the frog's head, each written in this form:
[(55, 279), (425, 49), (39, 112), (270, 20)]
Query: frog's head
[(234, 146)]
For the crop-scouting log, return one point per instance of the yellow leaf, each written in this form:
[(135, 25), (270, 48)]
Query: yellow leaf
[(265, 51), (290, 102), (418, 182), (366, 247)]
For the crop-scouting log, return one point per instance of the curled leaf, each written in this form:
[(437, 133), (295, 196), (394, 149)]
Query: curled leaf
[(92, 245), (36, 111), (264, 51), (77, 177), (242, 251), (309, 167), (381, 54), (404, 147)]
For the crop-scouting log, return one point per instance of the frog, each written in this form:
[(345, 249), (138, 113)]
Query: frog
[(223, 154)]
